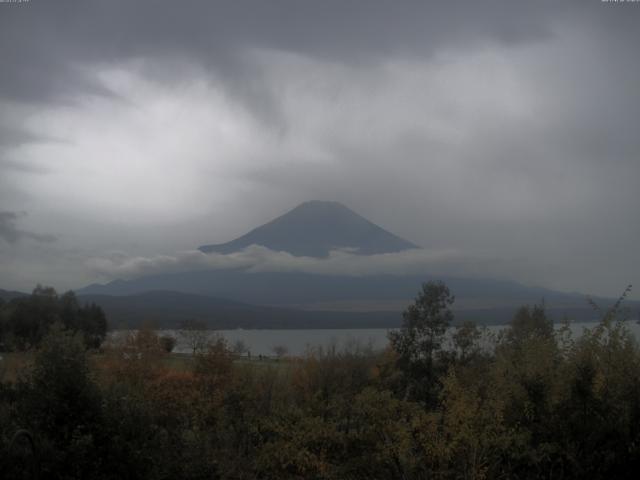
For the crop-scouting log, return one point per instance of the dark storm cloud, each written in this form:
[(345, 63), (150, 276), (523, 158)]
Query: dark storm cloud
[(42, 42), (10, 233)]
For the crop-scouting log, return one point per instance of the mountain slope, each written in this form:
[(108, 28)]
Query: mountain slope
[(7, 295), (313, 229), (165, 309), (481, 300)]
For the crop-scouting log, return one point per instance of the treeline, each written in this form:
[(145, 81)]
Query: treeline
[(532, 402), (25, 321)]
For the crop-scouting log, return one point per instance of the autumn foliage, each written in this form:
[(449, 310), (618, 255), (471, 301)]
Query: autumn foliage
[(532, 402)]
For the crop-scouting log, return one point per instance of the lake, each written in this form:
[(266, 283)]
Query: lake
[(297, 342)]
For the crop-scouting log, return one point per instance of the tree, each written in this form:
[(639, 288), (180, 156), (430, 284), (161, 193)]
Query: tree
[(239, 347), (88, 319), (419, 340), (530, 323), (32, 316), (167, 342), (465, 340), (213, 366), (194, 334), (93, 325), (26, 320), (59, 403), (280, 350)]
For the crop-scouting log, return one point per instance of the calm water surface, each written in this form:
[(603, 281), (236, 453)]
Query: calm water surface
[(297, 342)]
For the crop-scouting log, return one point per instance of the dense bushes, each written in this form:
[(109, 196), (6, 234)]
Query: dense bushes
[(532, 403)]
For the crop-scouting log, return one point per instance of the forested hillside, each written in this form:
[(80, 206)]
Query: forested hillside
[(26, 319)]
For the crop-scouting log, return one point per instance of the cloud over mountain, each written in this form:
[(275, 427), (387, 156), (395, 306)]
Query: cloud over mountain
[(256, 258), (319, 237)]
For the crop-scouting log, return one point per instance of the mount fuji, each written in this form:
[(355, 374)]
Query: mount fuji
[(314, 229)]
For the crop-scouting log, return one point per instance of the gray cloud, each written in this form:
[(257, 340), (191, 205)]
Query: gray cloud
[(51, 38), (494, 129), (256, 258), (10, 233), (12, 137)]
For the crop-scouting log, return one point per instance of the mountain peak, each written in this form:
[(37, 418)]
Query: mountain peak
[(321, 207), (321, 204), (314, 228)]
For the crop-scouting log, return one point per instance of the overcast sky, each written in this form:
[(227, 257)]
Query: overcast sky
[(503, 136)]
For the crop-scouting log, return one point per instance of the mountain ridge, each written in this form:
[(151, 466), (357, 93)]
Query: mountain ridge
[(167, 309)]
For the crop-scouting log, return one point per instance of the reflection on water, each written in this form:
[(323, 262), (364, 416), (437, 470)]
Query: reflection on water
[(297, 342)]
